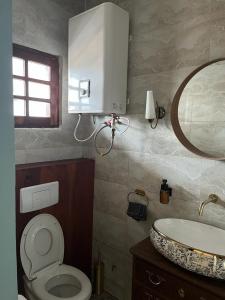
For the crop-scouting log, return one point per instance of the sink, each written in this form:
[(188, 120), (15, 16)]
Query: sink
[(195, 246)]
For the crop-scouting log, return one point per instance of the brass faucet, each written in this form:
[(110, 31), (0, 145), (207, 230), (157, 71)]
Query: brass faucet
[(212, 198)]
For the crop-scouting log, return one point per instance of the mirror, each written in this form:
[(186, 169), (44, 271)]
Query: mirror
[(198, 111)]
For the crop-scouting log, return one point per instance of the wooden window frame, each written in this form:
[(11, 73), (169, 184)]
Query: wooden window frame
[(29, 54)]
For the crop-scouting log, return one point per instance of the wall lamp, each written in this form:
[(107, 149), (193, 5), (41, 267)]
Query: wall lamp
[(153, 112)]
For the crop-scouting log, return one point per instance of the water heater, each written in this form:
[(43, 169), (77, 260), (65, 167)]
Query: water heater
[(98, 54)]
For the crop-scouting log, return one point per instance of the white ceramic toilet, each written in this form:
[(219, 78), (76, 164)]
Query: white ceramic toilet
[(42, 252)]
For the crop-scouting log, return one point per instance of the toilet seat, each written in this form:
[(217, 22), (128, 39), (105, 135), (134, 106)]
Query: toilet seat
[(42, 245), (39, 284), (42, 253)]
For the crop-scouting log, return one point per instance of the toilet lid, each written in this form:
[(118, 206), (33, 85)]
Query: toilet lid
[(41, 245)]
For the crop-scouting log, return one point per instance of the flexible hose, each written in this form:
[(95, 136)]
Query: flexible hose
[(97, 131), (121, 122), (108, 150), (76, 128)]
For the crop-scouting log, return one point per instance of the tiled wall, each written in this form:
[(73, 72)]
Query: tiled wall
[(43, 25), (168, 40)]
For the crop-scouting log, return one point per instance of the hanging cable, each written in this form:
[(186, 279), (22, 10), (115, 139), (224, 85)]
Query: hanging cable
[(114, 123), (108, 150), (76, 128)]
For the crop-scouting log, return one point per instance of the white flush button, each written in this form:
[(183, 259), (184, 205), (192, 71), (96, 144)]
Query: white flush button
[(39, 196)]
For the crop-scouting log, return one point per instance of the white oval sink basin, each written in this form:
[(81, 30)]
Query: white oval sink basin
[(195, 235), (193, 245)]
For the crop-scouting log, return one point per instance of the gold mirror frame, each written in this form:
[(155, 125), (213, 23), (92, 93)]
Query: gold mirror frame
[(174, 114)]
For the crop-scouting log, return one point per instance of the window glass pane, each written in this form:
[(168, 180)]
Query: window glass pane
[(18, 66), (39, 109), (38, 90), (19, 107), (38, 71), (18, 87)]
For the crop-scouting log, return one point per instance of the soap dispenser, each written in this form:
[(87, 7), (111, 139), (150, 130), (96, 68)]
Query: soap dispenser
[(165, 192)]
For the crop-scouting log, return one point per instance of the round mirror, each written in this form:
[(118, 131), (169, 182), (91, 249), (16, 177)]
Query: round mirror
[(198, 111)]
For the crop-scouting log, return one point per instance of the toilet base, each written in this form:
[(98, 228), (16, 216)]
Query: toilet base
[(85, 293), (28, 293), (29, 296)]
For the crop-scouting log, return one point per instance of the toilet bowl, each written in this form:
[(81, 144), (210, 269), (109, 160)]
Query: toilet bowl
[(42, 253)]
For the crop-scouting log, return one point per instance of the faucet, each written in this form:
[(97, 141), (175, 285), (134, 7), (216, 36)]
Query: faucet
[(212, 198)]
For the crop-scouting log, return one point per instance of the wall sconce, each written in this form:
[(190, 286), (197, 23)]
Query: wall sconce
[(153, 112)]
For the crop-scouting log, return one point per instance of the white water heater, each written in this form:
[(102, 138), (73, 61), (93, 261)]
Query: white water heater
[(98, 55)]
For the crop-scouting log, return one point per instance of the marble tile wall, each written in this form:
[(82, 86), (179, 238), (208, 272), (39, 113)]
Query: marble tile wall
[(43, 25), (168, 40)]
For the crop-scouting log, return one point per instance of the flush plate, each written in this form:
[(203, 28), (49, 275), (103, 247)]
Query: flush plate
[(39, 196)]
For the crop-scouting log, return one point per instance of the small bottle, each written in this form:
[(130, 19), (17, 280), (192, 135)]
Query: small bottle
[(165, 192)]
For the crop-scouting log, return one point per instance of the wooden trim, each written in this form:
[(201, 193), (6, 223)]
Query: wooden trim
[(35, 55), (26, 89), (46, 82), (53, 163), (46, 59), (33, 122), (175, 119), (32, 99)]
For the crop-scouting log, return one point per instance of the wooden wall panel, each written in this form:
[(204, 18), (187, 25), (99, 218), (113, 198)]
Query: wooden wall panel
[(74, 210)]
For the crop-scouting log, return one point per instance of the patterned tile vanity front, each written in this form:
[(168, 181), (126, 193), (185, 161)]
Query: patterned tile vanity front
[(190, 259), (156, 278)]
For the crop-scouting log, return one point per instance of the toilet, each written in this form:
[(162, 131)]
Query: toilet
[(42, 253)]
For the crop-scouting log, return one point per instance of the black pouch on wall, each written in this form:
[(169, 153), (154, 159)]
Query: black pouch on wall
[(136, 208), (137, 211)]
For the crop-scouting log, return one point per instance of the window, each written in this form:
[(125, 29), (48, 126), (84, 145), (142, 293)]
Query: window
[(35, 88)]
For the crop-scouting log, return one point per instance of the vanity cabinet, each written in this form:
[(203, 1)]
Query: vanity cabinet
[(156, 278)]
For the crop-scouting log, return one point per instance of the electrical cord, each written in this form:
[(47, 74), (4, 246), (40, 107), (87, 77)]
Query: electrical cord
[(76, 128), (108, 150), (115, 120), (157, 118)]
